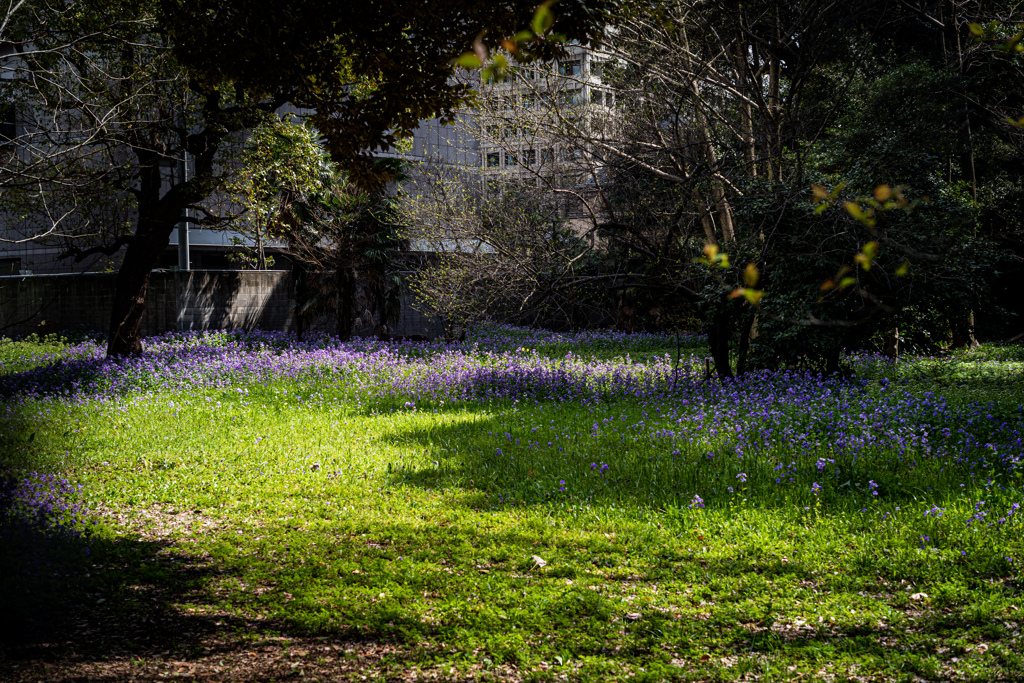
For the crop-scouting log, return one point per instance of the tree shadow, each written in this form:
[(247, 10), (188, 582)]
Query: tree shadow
[(96, 596)]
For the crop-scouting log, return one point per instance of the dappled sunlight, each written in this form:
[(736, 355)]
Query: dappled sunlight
[(466, 503)]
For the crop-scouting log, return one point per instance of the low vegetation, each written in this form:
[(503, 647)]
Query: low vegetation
[(517, 506)]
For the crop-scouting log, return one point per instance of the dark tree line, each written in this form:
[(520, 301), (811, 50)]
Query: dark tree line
[(805, 178)]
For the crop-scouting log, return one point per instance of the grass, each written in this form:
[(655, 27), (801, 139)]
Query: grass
[(347, 532)]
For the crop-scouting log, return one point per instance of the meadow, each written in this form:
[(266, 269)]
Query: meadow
[(523, 505)]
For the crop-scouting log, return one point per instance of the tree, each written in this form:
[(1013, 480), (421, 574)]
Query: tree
[(114, 112), (282, 160), (110, 118), (344, 240), (724, 117), (506, 253), (353, 65)]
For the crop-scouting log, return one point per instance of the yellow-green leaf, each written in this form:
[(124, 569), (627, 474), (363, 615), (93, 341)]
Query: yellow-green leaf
[(469, 61), (883, 192), (846, 282), (751, 275), (976, 29), (753, 295), (903, 269)]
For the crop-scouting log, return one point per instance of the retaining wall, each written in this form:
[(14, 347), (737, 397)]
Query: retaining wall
[(177, 300)]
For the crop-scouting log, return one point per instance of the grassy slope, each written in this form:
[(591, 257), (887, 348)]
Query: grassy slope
[(289, 511)]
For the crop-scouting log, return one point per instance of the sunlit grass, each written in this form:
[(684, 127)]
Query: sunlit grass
[(329, 508)]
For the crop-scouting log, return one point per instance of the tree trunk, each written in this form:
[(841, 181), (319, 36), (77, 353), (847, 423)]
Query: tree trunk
[(261, 256), (892, 343), (963, 333), (718, 342), (132, 283)]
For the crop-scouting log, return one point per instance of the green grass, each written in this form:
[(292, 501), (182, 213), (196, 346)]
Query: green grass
[(289, 511)]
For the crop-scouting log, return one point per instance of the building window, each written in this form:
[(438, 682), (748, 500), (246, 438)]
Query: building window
[(493, 160), (510, 159), (597, 97), (530, 157), (571, 97), (547, 156), (493, 132), (570, 67)]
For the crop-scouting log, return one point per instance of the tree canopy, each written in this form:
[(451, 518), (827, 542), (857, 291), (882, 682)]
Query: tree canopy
[(367, 72)]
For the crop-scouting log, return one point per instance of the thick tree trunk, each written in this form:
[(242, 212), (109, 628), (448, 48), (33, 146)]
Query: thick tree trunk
[(131, 287), (963, 333), (718, 343), (892, 343)]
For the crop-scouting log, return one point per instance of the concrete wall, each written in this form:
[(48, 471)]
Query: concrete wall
[(177, 300), (247, 299)]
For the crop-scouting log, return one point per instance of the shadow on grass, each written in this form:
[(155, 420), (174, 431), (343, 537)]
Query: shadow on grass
[(96, 596), (644, 473)]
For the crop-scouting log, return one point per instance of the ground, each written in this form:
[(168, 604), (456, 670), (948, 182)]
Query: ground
[(518, 506)]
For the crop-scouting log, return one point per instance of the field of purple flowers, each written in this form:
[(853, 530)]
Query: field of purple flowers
[(902, 473)]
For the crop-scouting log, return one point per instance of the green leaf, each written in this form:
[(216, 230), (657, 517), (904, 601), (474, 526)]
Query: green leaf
[(469, 61), (976, 29), (524, 36), (543, 19)]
